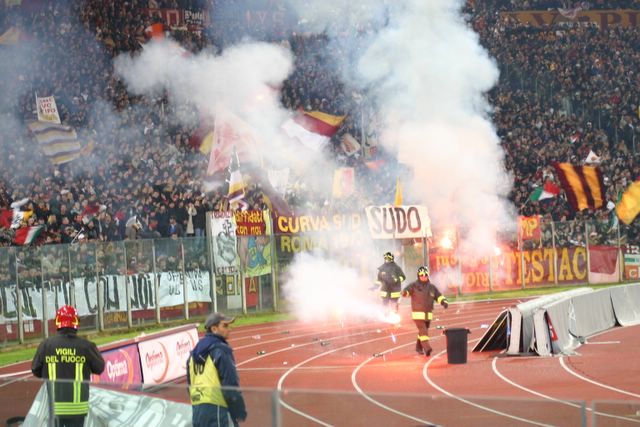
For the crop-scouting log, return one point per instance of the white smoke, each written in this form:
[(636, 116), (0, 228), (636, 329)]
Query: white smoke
[(428, 75), (242, 84), (321, 290)]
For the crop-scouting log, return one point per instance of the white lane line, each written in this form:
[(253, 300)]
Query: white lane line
[(425, 374), (4, 384), (597, 383), (15, 374), (601, 342), (494, 366), (293, 331), (544, 396), (382, 327), (317, 356), (434, 385), (280, 350), (354, 382), (317, 333)]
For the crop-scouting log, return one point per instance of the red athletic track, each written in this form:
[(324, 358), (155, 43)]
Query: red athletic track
[(342, 383)]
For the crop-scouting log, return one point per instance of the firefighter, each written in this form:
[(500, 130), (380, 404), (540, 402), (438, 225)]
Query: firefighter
[(423, 294), (390, 277), (68, 361)]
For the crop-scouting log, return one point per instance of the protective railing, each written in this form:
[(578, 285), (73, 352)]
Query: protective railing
[(119, 285), (29, 400), (135, 283)]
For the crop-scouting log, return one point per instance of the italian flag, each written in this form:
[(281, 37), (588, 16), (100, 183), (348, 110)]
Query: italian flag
[(547, 191), (26, 235)]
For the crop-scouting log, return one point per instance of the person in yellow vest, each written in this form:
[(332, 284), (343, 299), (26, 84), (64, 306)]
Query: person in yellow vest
[(423, 294), (68, 361), (213, 378)]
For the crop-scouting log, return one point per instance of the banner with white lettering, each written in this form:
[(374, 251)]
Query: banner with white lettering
[(141, 286), (398, 222), (47, 109), (225, 242)]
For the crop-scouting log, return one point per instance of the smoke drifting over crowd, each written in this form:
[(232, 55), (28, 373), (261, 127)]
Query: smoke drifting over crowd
[(427, 74), (415, 63)]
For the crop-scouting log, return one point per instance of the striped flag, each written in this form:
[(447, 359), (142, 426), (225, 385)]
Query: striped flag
[(59, 142), (26, 235), (583, 185), (313, 129)]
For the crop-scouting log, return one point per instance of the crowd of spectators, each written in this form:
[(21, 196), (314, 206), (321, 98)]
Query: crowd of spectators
[(563, 92)]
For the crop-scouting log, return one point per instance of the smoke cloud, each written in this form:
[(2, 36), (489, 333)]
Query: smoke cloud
[(321, 290), (427, 75)]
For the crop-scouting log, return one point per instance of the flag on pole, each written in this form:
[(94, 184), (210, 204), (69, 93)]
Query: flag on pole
[(547, 191), (26, 235), (343, 182), (629, 205), (592, 158), (59, 143), (230, 133), (397, 200), (313, 129), (12, 218), (583, 185), (236, 184)]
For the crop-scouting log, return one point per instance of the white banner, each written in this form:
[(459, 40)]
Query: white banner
[(85, 290), (225, 242), (398, 222), (47, 109), (164, 359)]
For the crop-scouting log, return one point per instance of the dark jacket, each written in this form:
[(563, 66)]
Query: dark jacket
[(58, 358), (216, 347), (423, 295), (390, 277)]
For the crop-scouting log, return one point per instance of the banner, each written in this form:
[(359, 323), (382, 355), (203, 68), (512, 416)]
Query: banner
[(631, 262), (47, 109), (450, 271), (251, 223), (398, 222), (85, 290), (122, 367), (165, 358), (549, 18), (225, 242), (255, 255), (529, 228), (194, 19)]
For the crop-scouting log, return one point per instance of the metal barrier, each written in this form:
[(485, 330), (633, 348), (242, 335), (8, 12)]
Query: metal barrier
[(140, 282), (169, 405)]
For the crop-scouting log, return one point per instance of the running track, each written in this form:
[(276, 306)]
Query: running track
[(367, 374)]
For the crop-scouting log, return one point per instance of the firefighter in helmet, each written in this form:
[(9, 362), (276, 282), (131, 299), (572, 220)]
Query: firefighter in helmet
[(68, 361), (390, 277), (423, 294)]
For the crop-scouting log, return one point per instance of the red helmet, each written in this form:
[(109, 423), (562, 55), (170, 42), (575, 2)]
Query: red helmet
[(67, 317)]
